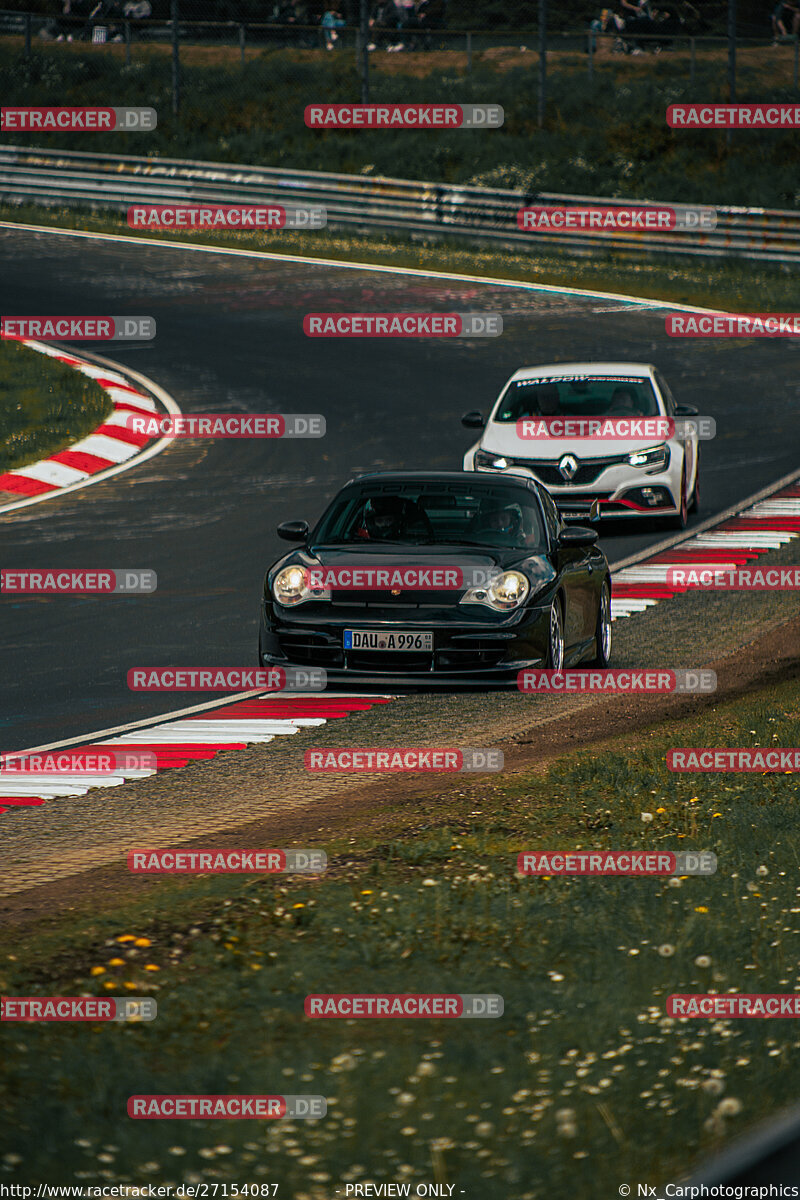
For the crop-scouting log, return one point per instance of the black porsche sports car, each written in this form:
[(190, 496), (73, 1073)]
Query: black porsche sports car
[(437, 578)]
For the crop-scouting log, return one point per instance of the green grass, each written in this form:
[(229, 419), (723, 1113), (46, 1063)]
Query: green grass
[(582, 1085), (731, 285), (44, 405), (606, 137)]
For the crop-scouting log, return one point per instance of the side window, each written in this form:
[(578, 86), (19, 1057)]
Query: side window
[(663, 387), (551, 516)]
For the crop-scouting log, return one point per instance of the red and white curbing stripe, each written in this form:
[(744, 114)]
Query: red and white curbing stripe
[(110, 447), (232, 726), (766, 525), (196, 735)]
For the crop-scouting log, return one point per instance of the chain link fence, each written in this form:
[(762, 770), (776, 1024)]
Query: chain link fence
[(584, 88)]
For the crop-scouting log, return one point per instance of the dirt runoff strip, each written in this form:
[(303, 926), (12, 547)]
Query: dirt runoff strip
[(72, 850)]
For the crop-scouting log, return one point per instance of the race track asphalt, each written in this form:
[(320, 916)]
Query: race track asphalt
[(203, 514)]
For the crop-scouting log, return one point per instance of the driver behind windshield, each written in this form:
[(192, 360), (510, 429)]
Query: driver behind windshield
[(504, 525), (393, 519)]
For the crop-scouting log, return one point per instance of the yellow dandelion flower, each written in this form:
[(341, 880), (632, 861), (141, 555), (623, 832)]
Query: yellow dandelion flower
[(695, 800), (130, 985), (109, 983), (116, 962), (368, 891), (301, 905), (142, 942), (127, 937), (256, 966), (701, 908), (97, 971), (716, 815), (660, 810), (151, 967)]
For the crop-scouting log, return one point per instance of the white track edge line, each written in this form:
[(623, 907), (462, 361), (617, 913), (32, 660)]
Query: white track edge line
[(385, 269)]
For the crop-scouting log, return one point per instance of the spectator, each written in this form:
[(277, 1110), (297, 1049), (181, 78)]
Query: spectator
[(332, 21), (637, 8), (412, 24), (382, 24), (607, 22), (785, 10), (406, 19)]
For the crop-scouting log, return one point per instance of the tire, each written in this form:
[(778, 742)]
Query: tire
[(555, 637), (681, 519), (694, 502), (602, 633)]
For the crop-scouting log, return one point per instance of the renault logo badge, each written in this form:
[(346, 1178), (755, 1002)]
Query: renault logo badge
[(568, 466)]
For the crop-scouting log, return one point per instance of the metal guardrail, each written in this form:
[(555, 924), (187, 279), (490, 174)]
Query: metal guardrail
[(421, 210)]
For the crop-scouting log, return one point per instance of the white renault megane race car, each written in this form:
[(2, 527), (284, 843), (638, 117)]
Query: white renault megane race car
[(610, 432)]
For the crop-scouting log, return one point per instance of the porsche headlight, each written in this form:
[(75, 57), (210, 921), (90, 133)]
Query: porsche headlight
[(656, 458), (503, 593), (291, 586)]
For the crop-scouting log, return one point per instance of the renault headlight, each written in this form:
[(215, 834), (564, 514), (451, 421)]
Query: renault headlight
[(484, 458), (503, 593), (291, 586), (655, 458)]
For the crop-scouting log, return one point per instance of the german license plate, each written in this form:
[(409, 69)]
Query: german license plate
[(395, 639)]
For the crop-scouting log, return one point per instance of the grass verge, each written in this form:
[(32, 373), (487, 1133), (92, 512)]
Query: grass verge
[(731, 285), (44, 405), (583, 1084)]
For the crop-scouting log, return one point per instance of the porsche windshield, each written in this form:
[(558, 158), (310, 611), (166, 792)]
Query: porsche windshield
[(434, 514), (578, 396)]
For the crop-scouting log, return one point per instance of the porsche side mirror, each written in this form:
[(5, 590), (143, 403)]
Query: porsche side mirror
[(293, 531), (473, 420), (577, 535)]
